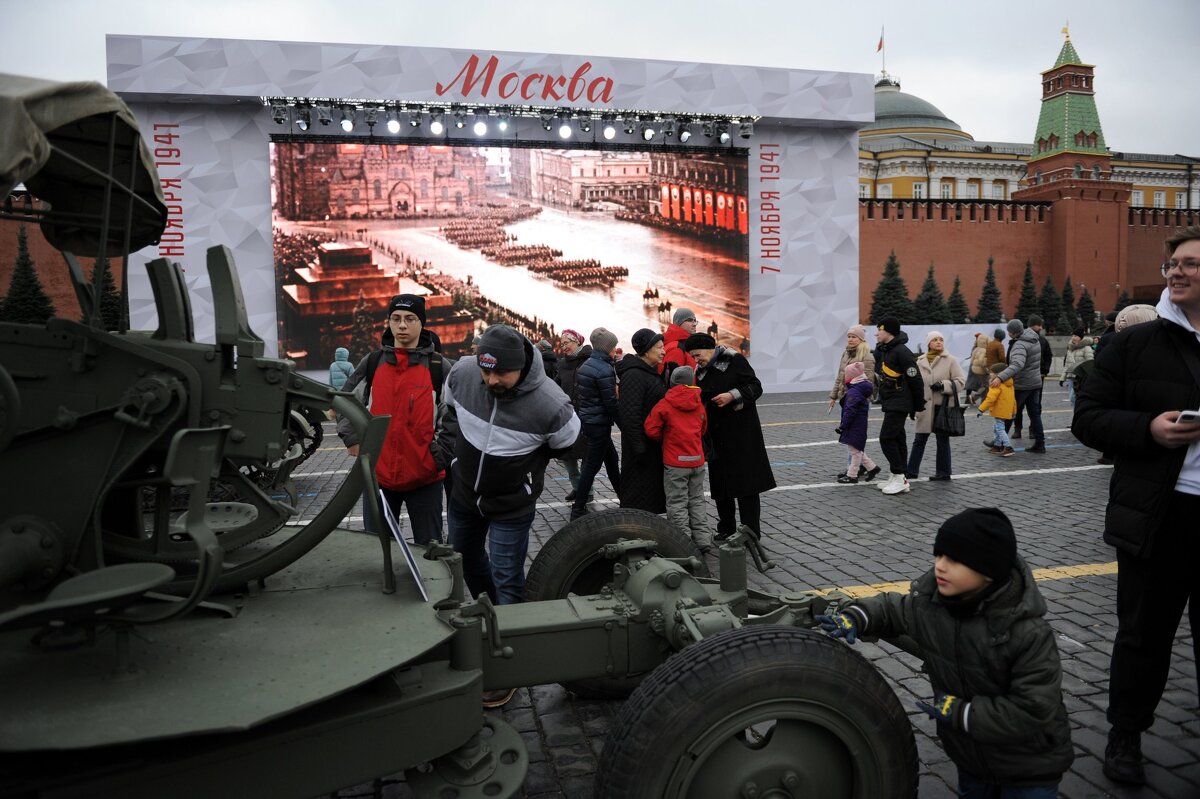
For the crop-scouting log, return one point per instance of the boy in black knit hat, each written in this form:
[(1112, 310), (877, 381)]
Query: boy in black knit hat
[(992, 661)]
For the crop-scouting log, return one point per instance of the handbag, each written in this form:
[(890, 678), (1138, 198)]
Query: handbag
[(948, 420)]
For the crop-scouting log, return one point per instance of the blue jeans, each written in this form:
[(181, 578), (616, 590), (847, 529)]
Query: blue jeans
[(1029, 399), (600, 450), (1002, 439), (970, 787), (498, 570), (941, 465), (424, 511)]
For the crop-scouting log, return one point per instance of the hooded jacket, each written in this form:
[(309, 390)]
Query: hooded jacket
[(499, 445), (340, 370), (641, 457), (673, 354), (679, 422), (1024, 361), (402, 387), (901, 389), (854, 414), (1145, 370), (596, 384), (1003, 659), (1076, 354)]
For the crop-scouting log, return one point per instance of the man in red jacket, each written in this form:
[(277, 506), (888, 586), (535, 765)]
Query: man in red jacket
[(683, 324), (404, 380), (678, 420)]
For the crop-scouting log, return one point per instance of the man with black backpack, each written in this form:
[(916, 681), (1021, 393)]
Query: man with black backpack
[(404, 380)]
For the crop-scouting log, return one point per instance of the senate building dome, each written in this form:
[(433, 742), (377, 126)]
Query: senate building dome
[(895, 110)]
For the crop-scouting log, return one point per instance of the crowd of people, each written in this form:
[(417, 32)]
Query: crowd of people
[(686, 407)]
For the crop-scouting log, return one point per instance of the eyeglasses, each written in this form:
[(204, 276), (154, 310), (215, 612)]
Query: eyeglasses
[(1188, 268)]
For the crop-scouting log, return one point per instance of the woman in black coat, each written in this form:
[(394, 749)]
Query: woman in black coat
[(576, 352), (641, 457), (739, 468)]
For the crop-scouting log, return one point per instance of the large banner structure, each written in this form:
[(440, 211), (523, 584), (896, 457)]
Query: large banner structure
[(307, 160)]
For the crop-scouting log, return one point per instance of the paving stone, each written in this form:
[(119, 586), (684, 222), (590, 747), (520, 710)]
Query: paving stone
[(574, 760), (561, 729)]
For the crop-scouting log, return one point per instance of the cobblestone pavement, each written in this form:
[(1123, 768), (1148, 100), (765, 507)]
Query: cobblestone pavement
[(825, 535)]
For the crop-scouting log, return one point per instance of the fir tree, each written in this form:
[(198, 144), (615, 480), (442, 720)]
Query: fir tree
[(1068, 304), (989, 309), (960, 312), (1123, 301), (891, 295), (1027, 305), (110, 299), (1086, 310), (929, 308), (365, 329), (27, 302), (1050, 306)]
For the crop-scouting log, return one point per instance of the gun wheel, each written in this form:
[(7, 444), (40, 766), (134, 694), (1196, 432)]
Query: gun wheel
[(761, 711)]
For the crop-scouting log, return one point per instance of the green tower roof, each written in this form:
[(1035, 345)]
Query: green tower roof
[(1067, 55), (1067, 114)]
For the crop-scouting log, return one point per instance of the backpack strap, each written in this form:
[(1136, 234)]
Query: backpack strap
[(436, 372), (372, 364)]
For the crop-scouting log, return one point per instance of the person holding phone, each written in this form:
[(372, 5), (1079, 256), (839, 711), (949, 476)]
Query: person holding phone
[(1133, 406)]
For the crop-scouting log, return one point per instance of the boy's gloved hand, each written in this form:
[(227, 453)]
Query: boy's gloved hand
[(948, 709), (979, 414), (840, 625)]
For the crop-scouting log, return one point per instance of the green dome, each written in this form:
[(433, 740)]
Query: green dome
[(895, 109)]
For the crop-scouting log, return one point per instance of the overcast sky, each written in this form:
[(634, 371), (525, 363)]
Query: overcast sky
[(978, 63)]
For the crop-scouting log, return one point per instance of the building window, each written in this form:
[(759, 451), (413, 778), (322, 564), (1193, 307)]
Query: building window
[(1037, 177), (1085, 81), (997, 191), (885, 191), (919, 191), (1181, 199), (864, 190), (947, 191), (424, 189), (1077, 172), (378, 190), (354, 195), (972, 191), (1074, 80), (1137, 198), (1095, 171), (1160, 199)]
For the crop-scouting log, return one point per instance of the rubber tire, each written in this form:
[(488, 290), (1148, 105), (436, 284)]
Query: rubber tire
[(678, 713), (569, 563)]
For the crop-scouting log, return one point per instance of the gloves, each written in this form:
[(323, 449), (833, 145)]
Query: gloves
[(840, 625), (938, 386), (838, 430), (1061, 383), (948, 709), (979, 414)]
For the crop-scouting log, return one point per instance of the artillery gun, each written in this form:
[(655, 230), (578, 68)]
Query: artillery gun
[(167, 629)]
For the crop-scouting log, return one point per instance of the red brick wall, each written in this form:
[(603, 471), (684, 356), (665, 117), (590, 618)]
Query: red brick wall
[(956, 247), (1148, 228)]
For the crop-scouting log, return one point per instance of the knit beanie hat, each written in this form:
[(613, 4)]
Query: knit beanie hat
[(981, 538), (699, 341), (574, 335), (1079, 331), (501, 348), (1035, 320), (408, 302), (998, 333), (932, 334), (683, 376), (644, 339), (681, 315), (545, 346), (1015, 327), (603, 340), (891, 324), (854, 370), (1132, 315), (859, 331)]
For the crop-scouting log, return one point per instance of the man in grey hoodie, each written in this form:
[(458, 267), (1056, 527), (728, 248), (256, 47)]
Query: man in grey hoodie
[(1025, 369)]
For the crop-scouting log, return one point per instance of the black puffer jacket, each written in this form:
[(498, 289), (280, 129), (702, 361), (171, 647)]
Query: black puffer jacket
[(596, 382), (1003, 659), (641, 457), (901, 389), (1140, 374), (568, 365)]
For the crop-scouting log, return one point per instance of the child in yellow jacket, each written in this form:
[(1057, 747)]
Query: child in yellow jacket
[(1001, 404)]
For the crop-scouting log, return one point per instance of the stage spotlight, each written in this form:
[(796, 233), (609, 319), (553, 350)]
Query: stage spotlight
[(414, 117), (547, 121), (279, 113), (564, 126), (585, 124), (393, 124), (648, 131), (480, 126), (610, 131), (708, 129), (746, 129), (685, 132), (725, 137), (668, 127), (371, 116), (630, 124), (502, 122), (323, 115), (303, 118), (435, 123), (460, 119), (347, 122)]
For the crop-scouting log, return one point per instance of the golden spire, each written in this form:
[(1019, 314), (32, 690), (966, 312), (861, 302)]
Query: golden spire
[(1066, 30)]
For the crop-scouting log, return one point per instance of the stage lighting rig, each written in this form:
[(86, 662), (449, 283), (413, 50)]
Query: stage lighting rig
[(279, 113), (585, 123), (347, 122), (393, 124), (460, 118), (323, 114), (547, 120), (610, 127), (709, 129), (685, 132), (303, 118), (668, 127), (414, 117), (648, 131), (502, 121), (724, 136), (436, 126), (564, 126), (746, 129), (480, 126), (371, 116), (630, 124)]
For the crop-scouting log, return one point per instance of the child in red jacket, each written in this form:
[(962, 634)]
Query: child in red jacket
[(679, 422)]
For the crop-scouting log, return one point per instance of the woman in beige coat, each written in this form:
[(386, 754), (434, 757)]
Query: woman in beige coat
[(943, 378), (977, 379), (856, 351)]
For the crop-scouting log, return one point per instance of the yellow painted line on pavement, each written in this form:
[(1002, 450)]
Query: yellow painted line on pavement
[(1054, 573)]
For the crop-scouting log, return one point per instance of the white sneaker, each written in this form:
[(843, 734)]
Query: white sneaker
[(899, 487), (884, 484)]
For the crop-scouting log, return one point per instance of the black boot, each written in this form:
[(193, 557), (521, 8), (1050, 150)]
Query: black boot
[(570, 497), (1123, 757)]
